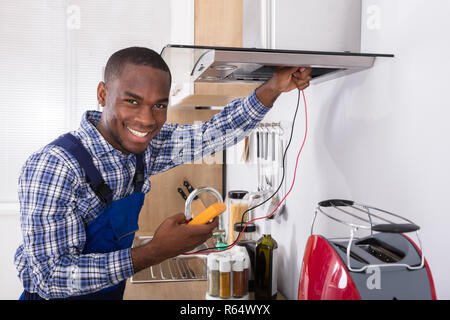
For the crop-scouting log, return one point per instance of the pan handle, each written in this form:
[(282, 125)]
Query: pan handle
[(396, 227), (336, 203)]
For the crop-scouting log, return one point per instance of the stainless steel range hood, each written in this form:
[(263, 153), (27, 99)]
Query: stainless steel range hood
[(192, 65)]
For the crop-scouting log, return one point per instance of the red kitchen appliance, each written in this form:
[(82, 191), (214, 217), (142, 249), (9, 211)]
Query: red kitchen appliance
[(384, 265)]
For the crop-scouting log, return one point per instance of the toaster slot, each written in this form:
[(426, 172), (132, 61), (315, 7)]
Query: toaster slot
[(352, 254), (380, 250)]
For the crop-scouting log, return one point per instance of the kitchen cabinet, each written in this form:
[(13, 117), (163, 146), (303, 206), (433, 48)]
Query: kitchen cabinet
[(192, 290)]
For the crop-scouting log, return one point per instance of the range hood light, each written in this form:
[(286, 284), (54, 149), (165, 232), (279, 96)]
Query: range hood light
[(209, 78), (224, 67)]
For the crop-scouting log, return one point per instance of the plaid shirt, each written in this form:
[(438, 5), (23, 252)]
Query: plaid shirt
[(56, 203)]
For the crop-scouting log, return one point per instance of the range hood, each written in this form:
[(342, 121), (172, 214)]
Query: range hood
[(191, 65)]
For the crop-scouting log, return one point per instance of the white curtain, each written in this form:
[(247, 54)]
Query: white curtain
[(52, 56)]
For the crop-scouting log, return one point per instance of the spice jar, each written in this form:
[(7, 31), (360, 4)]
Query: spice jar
[(238, 277), (213, 275), (248, 241), (237, 204), (246, 275), (225, 277)]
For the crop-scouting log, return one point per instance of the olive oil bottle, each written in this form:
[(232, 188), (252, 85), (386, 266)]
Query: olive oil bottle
[(266, 266)]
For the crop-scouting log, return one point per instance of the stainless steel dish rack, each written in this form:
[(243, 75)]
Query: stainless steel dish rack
[(179, 268)]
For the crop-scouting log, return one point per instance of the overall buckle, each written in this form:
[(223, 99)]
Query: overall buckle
[(102, 191)]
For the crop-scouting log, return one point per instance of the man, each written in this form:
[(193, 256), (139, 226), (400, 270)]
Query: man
[(80, 196)]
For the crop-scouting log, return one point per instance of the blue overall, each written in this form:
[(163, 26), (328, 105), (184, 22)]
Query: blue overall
[(113, 229)]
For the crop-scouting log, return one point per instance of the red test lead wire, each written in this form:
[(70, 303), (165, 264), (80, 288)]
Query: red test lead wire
[(289, 191)]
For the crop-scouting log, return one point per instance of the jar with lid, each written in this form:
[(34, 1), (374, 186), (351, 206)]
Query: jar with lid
[(237, 204), (238, 276), (248, 241), (246, 275), (224, 277), (213, 275)]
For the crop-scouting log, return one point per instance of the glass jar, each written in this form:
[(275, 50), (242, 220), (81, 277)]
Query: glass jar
[(237, 204), (225, 277), (247, 240), (246, 267), (213, 275), (238, 277)]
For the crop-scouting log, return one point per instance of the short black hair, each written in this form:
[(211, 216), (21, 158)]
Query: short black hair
[(135, 55)]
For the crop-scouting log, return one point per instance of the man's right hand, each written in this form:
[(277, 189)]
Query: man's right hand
[(173, 237)]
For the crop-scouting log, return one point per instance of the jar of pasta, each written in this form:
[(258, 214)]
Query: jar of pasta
[(237, 204)]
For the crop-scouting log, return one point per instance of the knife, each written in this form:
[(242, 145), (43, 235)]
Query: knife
[(189, 188), (183, 195)]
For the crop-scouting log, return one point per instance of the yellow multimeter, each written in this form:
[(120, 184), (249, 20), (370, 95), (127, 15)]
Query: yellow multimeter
[(208, 214)]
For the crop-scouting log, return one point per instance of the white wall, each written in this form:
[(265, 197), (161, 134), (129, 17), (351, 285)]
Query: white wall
[(10, 238), (378, 137)]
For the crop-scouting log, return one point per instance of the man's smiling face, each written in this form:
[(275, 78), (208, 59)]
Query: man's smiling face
[(135, 107)]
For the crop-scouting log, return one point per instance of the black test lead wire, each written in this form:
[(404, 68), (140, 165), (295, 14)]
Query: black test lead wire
[(221, 249)]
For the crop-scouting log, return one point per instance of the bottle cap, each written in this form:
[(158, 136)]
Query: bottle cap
[(267, 226), (246, 262), (224, 264), (213, 262), (237, 194), (238, 264), (242, 250), (240, 226), (243, 256)]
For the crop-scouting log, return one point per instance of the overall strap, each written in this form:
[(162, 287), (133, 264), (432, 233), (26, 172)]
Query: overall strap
[(139, 176), (94, 178)]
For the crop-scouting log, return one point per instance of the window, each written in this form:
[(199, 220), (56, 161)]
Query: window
[(52, 56)]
